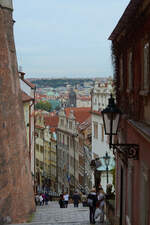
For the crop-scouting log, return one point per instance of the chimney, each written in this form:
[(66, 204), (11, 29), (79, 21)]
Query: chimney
[(21, 73)]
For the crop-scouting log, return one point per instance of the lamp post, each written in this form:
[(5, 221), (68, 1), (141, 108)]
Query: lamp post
[(106, 160), (111, 117), (95, 163)]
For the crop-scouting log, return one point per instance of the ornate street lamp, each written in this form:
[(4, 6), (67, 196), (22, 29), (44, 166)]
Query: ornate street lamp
[(106, 160), (111, 117)]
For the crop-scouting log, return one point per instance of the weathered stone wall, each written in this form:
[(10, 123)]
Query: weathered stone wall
[(16, 192)]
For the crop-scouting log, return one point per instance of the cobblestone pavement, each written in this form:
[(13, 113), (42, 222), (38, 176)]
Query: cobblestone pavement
[(51, 214)]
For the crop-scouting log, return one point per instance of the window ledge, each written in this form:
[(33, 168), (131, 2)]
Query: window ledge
[(144, 92), (142, 127)]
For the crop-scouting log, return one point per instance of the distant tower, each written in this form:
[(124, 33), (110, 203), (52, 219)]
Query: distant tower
[(72, 98)]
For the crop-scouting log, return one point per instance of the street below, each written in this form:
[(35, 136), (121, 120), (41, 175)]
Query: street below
[(51, 214)]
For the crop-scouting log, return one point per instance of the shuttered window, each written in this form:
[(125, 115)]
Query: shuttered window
[(146, 67), (121, 73), (130, 70)]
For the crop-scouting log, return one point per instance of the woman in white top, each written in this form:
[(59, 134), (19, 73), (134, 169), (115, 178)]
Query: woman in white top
[(41, 199), (66, 199)]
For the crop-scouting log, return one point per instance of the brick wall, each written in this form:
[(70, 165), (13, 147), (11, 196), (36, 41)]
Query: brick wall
[(16, 192)]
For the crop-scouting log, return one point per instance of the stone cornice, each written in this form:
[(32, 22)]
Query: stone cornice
[(142, 128), (6, 4)]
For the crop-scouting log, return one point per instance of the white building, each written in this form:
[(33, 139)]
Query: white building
[(29, 90), (99, 100)]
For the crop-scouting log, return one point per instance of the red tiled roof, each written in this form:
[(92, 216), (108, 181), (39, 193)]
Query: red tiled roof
[(29, 83), (52, 129), (25, 97), (51, 121), (81, 114), (96, 112), (85, 124)]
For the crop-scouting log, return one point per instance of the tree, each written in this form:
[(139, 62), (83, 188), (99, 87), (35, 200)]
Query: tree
[(43, 106)]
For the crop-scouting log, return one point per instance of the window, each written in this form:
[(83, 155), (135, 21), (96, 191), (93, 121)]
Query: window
[(37, 147), (41, 149), (95, 130), (70, 124), (62, 122), (102, 129), (130, 70), (146, 66), (37, 162), (121, 73), (71, 142), (68, 141)]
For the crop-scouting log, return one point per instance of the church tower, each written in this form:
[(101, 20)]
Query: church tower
[(72, 98)]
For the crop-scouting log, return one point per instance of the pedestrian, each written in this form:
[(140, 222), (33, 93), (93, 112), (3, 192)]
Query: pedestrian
[(76, 199), (101, 203), (37, 200), (91, 201), (46, 198), (61, 201), (66, 199), (84, 199), (43, 195), (41, 199)]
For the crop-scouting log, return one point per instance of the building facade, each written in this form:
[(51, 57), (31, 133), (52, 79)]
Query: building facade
[(99, 100), (28, 96), (131, 57), (42, 153), (85, 155), (68, 147)]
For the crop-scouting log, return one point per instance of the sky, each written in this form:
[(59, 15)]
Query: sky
[(65, 38)]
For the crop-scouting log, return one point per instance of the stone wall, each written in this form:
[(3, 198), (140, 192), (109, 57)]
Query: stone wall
[(16, 192)]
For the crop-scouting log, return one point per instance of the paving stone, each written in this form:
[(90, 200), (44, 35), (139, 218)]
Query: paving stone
[(52, 214)]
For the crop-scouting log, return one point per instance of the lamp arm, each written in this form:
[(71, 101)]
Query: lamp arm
[(126, 151)]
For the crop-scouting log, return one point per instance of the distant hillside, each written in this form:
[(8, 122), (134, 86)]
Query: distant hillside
[(43, 83)]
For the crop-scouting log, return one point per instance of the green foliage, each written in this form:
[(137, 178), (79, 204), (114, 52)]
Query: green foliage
[(42, 83), (30, 218), (43, 106)]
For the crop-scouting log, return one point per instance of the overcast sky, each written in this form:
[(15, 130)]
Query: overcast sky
[(65, 37)]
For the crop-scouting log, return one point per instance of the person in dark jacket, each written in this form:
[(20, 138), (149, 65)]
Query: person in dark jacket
[(92, 200), (76, 199), (61, 201)]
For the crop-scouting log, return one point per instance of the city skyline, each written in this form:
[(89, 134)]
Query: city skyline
[(65, 39)]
